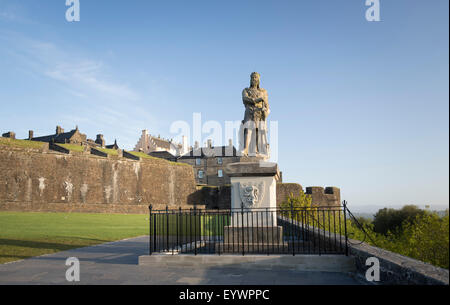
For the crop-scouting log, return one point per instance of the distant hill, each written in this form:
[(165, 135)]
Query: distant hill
[(441, 213), (373, 209), (365, 215), (372, 215)]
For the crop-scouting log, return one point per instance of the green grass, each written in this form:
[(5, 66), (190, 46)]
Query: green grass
[(145, 156), (21, 143), (72, 147), (23, 235), (141, 155), (112, 152), (185, 224)]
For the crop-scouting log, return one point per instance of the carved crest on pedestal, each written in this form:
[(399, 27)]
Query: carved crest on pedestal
[(251, 193)]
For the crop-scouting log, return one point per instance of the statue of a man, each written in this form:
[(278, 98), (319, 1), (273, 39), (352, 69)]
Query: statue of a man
[(256, 102)]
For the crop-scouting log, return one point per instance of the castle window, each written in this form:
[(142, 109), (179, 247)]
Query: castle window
[(198, 161), (220, 173), (219, 161), (200, 174)]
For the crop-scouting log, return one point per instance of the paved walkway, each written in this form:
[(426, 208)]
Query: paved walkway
[(116, 263)]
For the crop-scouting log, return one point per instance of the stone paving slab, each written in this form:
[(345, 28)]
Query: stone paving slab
[(117, 263)]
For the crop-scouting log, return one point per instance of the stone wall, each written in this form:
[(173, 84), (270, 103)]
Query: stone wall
[(214, 197), (330, 196), (42, 180), (395, 269), (285, 189)]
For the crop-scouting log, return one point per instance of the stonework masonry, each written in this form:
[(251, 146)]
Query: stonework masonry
[(329, 196), (57, 180), (214, 197), (44, 180)]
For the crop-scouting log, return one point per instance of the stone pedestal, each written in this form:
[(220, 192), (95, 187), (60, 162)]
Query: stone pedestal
[(253, 188), (253, 202)]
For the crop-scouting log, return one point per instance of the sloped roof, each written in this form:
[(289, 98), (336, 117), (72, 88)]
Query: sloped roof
[(161, 142), (59, 138), (200, 152), (113, 146), (163, 155)]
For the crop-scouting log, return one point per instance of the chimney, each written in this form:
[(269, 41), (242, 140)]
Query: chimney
[(230, 142), (209, 143), (185, 146), (59, 130), (100, 140), (30, 134), (196, 145), (10, 134)]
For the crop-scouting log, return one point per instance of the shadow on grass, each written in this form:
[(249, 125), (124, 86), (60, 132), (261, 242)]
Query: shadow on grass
[(61, 246), (104, 252)]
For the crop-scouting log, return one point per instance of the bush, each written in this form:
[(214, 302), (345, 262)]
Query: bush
[(298, 201), (391, 220)]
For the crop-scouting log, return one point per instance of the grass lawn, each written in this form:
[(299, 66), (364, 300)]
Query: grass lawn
[(23, 235), (72, 147), (112, 152), (189, 225), (141, 155), (145, 156), (21, 143)]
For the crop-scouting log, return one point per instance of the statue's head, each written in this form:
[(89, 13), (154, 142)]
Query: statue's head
[(254, 80)]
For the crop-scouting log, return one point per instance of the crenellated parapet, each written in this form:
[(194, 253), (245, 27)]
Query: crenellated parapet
[(328, 196)]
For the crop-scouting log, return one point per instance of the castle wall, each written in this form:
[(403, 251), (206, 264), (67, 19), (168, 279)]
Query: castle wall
[(285, 189), (329, 196), (214, 197), (41, 180)]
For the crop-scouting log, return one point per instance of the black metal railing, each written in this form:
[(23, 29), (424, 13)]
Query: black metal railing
[(291, 230)]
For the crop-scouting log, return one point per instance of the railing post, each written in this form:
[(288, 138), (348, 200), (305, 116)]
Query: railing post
[(242, 228), (292, 228), (345, 227), (154, 231), (220, 226), (195, 229), (267, 231), (167, 228), (179, 229), (150, 230), (172, 245)]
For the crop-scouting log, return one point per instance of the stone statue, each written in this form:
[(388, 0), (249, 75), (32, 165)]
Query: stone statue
[(256, 102)]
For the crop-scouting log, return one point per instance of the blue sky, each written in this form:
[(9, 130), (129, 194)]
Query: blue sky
[(360, 105)]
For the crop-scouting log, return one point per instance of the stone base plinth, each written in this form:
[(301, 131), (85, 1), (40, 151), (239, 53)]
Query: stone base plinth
[(252, 240), (325, 263), (253, 248), (269, 235)]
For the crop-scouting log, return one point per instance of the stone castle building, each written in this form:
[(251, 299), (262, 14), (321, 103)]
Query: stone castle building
[(72, 137), (149, 144), (209, 163)]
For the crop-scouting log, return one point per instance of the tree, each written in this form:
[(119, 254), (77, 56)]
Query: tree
[(391, 220), (301, 200), (427, 239)]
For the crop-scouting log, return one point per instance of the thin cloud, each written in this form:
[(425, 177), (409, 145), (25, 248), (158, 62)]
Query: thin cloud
[(103, 102)]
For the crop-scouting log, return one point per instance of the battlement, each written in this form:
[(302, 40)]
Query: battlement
[(328, 196), (329, 190)]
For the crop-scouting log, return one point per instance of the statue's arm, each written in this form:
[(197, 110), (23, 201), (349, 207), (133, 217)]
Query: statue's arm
[(266, 107), (247, 99)]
